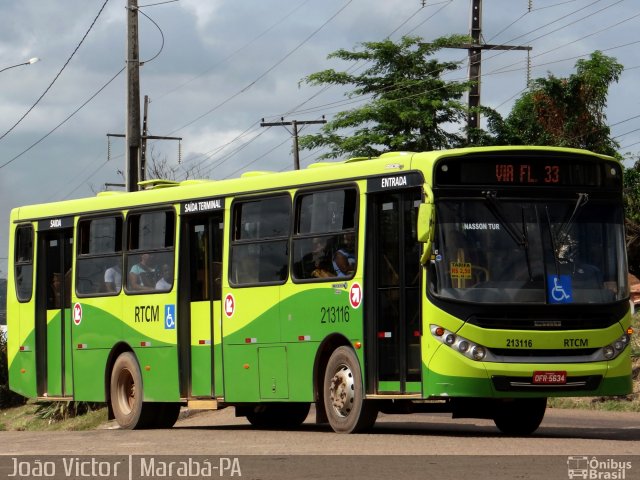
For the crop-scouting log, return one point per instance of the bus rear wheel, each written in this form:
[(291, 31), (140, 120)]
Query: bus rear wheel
[(520, 416), (165, 415), (346, 408), (278, 415), (126, 394)]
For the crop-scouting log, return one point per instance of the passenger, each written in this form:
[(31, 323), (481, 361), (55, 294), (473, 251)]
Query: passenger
[(321, 267), (166, 280), (344, 260), (141, 274), (55, 290), (113, 278)]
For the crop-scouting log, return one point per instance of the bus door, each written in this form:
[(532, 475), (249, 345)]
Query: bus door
[(53, 308), (200, 307), (392, 291)]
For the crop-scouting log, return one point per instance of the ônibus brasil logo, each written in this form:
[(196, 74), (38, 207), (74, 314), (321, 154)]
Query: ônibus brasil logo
[(595, 468)]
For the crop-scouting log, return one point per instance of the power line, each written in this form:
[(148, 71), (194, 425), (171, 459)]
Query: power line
[(352, 68), (234, 152), (232, 54), (58, 74), (350, 101), (335, 103), (263, 74), (581, 9), (63, 121), (495, 72), (294, 125), (259, 158), (159, 3), (582, 38), (159, 29), (430, 17)]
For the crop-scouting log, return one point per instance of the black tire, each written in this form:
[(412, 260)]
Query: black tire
[(346, 408), (520, 417), (127, 395), (279, 415), (165, 415)]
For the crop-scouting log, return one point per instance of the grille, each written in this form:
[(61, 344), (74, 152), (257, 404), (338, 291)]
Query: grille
[(523, 353)]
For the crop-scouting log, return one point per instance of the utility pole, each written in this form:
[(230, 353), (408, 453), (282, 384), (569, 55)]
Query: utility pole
[(475, 65), (142, 170), (136, 149), (294, 124), (146, 136), (143, 146), (133, 99)]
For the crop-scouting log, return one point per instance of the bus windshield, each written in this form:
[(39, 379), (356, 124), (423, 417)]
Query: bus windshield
[(561, 251)]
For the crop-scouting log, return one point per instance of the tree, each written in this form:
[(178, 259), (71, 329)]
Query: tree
[(632, 213), (409, 106), (564, 112), (160, 168)]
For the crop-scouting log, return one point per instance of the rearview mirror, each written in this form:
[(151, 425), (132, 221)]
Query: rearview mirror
[(425, 222), (426, 214)]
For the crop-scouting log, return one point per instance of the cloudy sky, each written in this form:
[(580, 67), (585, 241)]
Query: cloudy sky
[(219, 66)]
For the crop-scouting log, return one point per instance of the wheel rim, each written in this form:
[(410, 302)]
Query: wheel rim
[(126, 391), (342, 391)]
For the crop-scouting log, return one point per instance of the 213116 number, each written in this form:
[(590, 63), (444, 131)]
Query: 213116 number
[(334, 314), (519, 343)]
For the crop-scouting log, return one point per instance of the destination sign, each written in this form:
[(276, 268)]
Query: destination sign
[(203, 205), (546, 171), (394, 182), (55, 223)]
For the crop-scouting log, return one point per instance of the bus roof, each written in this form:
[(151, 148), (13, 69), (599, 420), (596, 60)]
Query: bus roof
[(159, 192)]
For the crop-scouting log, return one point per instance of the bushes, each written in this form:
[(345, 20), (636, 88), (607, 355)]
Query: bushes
[(51, 411), (58, 411), (7, 397)]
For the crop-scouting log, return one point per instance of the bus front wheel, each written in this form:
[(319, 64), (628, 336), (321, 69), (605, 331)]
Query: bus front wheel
[(346, 408), (521, 416), (126, 393)]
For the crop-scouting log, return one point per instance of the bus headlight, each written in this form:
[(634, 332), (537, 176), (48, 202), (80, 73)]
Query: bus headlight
[(622, 342), (611, 351), (465, 347), (478, 353)]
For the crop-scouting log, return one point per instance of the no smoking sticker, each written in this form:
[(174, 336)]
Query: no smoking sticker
[(355, 295), (77, 314), (229, 305)]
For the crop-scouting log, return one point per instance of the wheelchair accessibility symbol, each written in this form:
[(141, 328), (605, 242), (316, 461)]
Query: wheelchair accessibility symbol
[(169, 317), (559, 288)]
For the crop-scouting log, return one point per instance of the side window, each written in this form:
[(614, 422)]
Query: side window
[(23, 263), (150, 252), (259, 247), (324, 240), (99, 261)]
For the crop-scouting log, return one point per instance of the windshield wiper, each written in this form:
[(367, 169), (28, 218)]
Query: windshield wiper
[(521, 238), (553, 242), (494, 207), (525, 235), (558, 241), (563, 232)]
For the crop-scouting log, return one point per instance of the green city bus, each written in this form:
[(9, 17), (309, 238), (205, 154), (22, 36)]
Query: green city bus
[(476, 281)]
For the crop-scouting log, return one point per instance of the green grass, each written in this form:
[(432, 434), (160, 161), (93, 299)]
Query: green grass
[(630, 403), (25, 418)]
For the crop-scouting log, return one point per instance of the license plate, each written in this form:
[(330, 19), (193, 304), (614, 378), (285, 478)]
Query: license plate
[(549, 378)]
